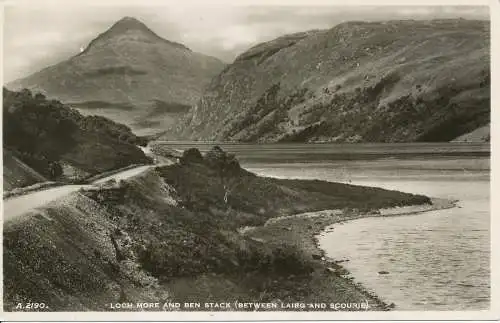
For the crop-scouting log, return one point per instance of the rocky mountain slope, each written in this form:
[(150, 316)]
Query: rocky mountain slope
[(395, 81), (43, 139), (130, 74)]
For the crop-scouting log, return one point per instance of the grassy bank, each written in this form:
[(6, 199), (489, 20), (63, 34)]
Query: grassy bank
[(173, 232)]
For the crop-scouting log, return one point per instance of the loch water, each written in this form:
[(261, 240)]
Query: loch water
[(438, 260)]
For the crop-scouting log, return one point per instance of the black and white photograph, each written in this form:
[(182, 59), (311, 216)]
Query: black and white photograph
[(219, 158)]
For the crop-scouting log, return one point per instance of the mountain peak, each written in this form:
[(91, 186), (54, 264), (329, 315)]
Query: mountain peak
[(129, 19), (128, 23), (125, 25)]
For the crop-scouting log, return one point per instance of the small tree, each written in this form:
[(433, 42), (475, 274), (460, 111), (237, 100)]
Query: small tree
[(226, 166), (26, 93), (55, 170)]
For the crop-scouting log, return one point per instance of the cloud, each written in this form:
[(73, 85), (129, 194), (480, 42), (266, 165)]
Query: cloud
[(38, 36)]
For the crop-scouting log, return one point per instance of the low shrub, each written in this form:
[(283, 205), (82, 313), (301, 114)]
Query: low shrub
[(282, 259), (191, 155)]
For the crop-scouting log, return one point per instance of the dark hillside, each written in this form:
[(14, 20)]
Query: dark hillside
[(392, 81), (52, 138)]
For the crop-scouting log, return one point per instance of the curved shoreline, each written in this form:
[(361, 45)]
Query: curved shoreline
[(304, 229), (438, 204)]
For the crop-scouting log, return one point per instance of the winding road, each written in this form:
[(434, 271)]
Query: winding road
[(19, 205)]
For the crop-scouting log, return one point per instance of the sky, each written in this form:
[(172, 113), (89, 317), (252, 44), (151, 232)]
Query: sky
[(37, 37)]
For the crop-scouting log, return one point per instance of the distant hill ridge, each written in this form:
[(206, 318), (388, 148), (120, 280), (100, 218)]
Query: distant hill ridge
[(393, 81), (128, 64)]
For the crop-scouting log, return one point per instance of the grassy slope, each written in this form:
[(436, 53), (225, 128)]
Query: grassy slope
[(396, 81), (63, 256), (174, 234), (255, 199), (18, 174)]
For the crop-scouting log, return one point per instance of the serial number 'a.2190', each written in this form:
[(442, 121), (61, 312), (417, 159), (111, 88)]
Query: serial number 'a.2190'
[(31, 306)]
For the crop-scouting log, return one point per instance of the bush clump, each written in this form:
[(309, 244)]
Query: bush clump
[(225, 163), (191, 155)]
